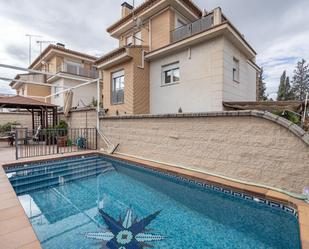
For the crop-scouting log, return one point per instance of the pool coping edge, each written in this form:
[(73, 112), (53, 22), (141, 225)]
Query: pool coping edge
[(7, 190)]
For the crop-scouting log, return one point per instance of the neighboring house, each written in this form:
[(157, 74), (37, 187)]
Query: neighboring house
[(57, 59), (173, 57), (29, 90)]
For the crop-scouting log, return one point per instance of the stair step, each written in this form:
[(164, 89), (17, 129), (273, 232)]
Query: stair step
[(50, 164), (63, 173), (55, 169), (55, 181)]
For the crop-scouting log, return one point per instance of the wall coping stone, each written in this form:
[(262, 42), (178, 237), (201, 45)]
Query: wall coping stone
[(15, 113), (83, 109), (295, 129)]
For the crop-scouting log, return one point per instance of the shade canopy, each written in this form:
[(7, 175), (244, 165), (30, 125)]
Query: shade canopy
[(23, 103), (43, 114)]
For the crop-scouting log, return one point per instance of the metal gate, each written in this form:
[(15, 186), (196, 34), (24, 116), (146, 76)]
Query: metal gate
[(32, 143)]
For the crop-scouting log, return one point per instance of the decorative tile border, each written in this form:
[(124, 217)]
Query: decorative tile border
[(207, 185), (19, 165)]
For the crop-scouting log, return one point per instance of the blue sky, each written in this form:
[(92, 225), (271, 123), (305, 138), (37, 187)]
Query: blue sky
[(277, 29)]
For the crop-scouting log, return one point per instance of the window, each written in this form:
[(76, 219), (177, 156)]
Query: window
[(129, 40), (23, 91), (180, 23), (57, 89), (118, 87), (170, 74), (138, 38), (235, 70)]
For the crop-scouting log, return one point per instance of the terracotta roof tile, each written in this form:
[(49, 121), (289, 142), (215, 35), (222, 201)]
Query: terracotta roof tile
[(20, 101)]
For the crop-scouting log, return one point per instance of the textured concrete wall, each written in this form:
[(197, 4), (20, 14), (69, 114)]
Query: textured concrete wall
[(24, 119), (250, 146)]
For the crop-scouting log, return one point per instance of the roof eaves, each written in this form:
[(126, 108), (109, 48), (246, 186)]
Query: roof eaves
[(146, 5), (61, 49)]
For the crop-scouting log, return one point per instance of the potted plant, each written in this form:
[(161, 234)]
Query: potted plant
[(62, 130)]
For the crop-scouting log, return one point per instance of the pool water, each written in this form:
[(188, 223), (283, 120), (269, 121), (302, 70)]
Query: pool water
[(113, 204)]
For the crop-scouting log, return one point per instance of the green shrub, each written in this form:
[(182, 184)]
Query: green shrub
[(7, 127), (294, 118), (63, 127)]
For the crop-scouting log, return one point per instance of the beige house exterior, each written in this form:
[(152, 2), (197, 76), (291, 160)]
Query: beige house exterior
[(61, 61), (174, 57)]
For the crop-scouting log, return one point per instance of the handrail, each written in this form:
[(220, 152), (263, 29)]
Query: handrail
[(110, 146), (192, 28)]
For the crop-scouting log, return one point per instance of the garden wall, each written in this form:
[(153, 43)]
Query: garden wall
[(25, 119), (80, 118), (248, 145)]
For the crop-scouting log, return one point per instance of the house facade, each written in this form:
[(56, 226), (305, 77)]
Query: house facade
[(174, 57), (63, 62)]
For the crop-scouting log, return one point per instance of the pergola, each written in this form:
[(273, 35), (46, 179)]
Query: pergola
[(43, 114)]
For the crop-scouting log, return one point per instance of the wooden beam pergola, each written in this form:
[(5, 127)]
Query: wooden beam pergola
[(33, 106)]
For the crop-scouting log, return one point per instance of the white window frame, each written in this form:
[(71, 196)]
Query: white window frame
[(56, 90), (236, 70), (129, 38), (172, 68), (138, 38), (114, 76), (181, 19)]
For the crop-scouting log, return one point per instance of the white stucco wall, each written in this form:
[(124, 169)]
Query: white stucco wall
[(200, 87), (57, 100), (206, 79), (245, 89), (81, 95)]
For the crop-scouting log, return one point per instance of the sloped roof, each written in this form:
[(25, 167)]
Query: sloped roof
[(61, 49), (23, 102), (146, 5)]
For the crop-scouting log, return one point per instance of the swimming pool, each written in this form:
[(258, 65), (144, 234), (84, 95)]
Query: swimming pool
[(99, 202)]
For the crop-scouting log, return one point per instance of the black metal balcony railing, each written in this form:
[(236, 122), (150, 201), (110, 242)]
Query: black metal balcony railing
[(193, 28)]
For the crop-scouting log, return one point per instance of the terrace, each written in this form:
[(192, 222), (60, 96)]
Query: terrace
[(193, 28), (77, 70)]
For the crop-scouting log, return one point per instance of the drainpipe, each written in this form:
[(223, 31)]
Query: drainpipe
[(98, 104), (305, 109)]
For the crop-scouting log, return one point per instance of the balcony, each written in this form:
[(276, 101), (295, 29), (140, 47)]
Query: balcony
[(77, 70), (193, 28)]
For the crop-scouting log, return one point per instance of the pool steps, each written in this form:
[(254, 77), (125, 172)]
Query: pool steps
[(44, 176)]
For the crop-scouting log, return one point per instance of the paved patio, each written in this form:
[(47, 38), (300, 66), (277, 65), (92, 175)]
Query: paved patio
[(7, 154)]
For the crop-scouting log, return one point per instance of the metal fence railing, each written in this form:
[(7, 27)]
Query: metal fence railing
[(31, 143), (193, 28)]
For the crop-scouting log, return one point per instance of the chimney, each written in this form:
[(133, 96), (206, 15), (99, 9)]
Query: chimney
[(217, 16), (126, 9), (60, 45)]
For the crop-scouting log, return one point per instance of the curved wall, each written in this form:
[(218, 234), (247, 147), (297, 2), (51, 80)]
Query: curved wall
[(248, 145)]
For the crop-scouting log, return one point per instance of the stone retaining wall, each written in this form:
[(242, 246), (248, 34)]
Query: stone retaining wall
[(252, 146)]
